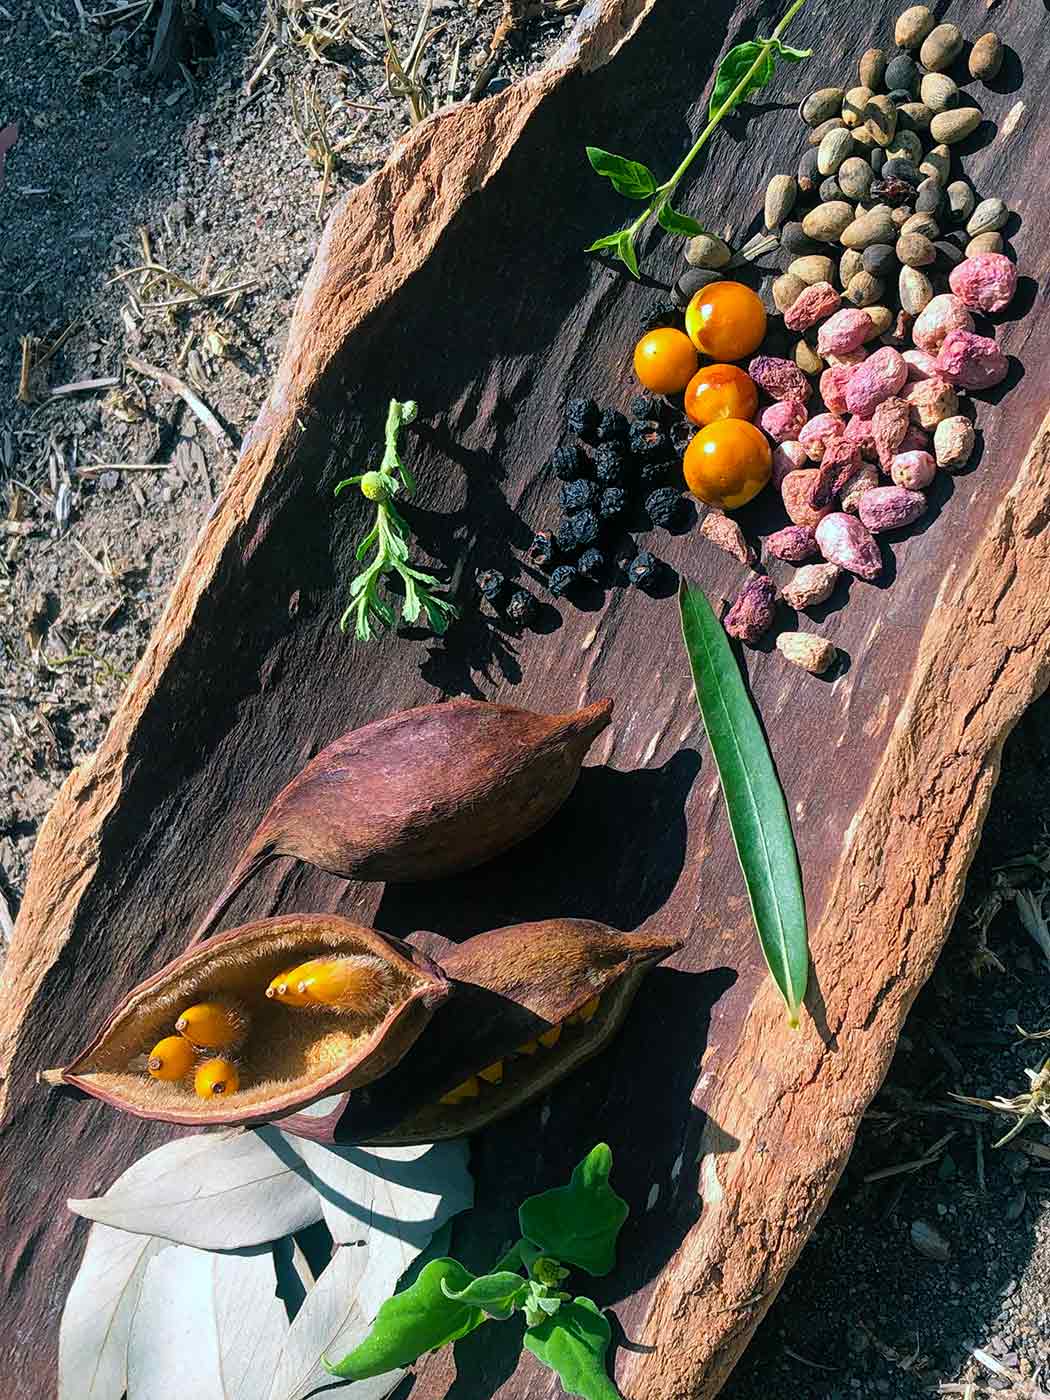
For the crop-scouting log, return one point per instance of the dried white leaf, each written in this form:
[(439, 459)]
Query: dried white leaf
[(207, 1325), (96, 1321), (214, 1191)]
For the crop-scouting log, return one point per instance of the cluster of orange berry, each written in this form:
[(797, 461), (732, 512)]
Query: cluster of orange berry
[(209, 1025), (729, 461)]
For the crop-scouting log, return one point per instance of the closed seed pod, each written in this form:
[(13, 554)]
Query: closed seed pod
[(425, 793), (291, 1059), (513, 986)]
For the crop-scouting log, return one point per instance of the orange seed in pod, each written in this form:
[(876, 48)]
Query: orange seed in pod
[(586, 1012), (213, 1025), (469, 1089), (357, 982), (170, 1058), (549, 1039), (216, 1078), (493, 1074)]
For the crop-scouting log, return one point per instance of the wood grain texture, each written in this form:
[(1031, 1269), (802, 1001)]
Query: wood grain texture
[(455, 277)]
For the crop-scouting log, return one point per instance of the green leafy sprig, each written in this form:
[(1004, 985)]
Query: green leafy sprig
[(758, 814), (391, 538), (744, 70), (575, 1225)]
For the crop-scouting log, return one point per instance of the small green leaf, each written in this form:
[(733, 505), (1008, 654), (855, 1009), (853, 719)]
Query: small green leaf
[(578, 1223), (573, 1344), (628, 177), (626, 252), (420, 1319), (731, 72), (758, 814), (498, 1294), (674, 222), (610, 240)]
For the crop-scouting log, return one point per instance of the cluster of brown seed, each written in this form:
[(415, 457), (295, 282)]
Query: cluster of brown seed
[(206, 1026)]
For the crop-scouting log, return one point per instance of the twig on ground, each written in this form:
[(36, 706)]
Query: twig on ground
[(97, 468), (926, 1160), (193, 401), (83, 386)]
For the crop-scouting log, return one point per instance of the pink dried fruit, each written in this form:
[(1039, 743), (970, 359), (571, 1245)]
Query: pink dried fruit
[(985, 282), (972, 361), (848, 357), (865, 480), (943, 314), (862, 432), (841, 460), (920, 364), (781, 379), (891, 508), (784, 421), (833, 387), (788, 457), (931, 400), (844, 541), (953, 443), (753, 611), (889, 424), (818, 432), (794, 544), (846, 330), (811, 586), (797, 491), (914, 440), (812, 306), (813, 654), (880, 377), (913, 470)]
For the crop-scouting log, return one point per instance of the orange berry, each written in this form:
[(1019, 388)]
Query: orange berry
[(215, 1079), (664, 360), (727, 463), (720, 391), (726, 321), (170, 1058)]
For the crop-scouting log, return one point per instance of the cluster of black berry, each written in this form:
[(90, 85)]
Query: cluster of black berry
[(610, 466), (518, 603)]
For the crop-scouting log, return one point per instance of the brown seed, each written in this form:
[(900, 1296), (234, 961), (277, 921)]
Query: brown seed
[(989, 216), (941, 47), (938, 91), (915, 289), (915, 250), (986, 57), (820, 105), (813, 268), (811, 585), (937, 164), (881, 318), (850, 264), (913, 26), (833, 150), (827, 221), (874, 226), (991, 242), (961, 200), (384, 803), (807, 359), (906, 146), (787, 289), (855, 176), (853, 105), (707, 250), (819, 132), (863, 138), (955, 125), (781, 193), (925, 224), (880, 117), (872, 69), (864, 290), (914, 116), (723, 531)]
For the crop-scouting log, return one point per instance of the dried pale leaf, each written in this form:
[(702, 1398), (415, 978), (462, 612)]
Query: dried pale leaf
[(207, 1325), (402, 1192), (96, 1321), (214, 1191)]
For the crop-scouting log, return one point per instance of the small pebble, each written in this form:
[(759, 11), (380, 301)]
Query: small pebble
[(989, 216), (956, 125), (853, 105), (851, 262), (876, 158), (881, 318), (986, 57), (811, 653), (903, 72), (781, 193), (829, 189), (938, 163), (907, 145), (820, 105), (939, 92), (915, 116), (961, 200), (794, 240), (898, 168), (929, 1243), (915, 250), (707, 250), (930, 199), (991, 242), (913, 26), (872, 68), (948, 251), (941, 47), (787, 289), (855, 176)]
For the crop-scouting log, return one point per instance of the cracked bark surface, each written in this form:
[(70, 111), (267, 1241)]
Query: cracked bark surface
[(455, 277)]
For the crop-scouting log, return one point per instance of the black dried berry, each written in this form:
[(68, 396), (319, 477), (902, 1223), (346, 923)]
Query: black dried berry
[(650, 442), (575, 495), (652, 474), (586, 526), (542, 549), (645, 407), (522, 607), (663, 506), (491, 583), (682, 434), (562, 579), (568, 463), (612, 502), (612, 426), (644, 570), (591, 564), (581, 416), (566, 537), (610, 464)]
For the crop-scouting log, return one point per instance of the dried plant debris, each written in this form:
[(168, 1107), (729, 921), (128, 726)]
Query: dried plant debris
[(1032, 1106)]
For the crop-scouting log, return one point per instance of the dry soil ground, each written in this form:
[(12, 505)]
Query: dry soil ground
[(103, 487)]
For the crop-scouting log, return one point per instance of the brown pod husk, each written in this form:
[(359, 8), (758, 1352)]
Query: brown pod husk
[(425, 793), (510, 986), (291, 1057)]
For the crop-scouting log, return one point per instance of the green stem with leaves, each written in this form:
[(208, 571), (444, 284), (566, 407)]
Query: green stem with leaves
[(745, 69)]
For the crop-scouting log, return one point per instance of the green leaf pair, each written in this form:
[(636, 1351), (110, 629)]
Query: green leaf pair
[(575, 1224), (755, 61)]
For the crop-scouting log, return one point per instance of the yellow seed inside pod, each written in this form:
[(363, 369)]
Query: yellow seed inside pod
[(213, 1025), (585, 1013), (282, 989), (529, 1048), (357, 982), (493, 1074), (550, 1038), (469, 1089), (216, 1078), (170, 1058)]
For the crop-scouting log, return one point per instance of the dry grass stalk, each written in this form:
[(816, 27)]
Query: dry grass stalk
[(1026, 1108), (320, 27), (178, 386), (402, 75), (310, 123)]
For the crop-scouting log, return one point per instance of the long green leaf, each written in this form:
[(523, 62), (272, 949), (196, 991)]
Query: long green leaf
[(758, 814)]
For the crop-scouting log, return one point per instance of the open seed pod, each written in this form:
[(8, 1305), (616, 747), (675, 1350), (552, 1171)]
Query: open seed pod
[(425, 793), (288, 1056), (531, 1003)]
